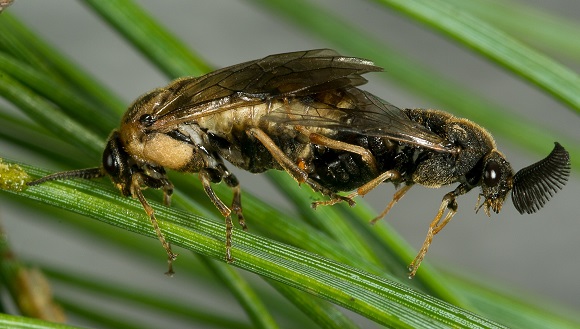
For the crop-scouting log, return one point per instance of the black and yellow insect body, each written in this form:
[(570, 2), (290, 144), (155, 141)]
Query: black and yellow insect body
[(302, 112)]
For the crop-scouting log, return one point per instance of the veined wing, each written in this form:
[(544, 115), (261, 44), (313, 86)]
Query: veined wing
[(363, 113), (292, 74)]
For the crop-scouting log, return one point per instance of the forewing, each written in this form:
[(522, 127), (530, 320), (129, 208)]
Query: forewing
[(364, 114), (276, 76)]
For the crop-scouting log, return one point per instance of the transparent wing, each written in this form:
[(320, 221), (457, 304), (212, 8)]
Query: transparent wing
[(361, 112), (283, 75)]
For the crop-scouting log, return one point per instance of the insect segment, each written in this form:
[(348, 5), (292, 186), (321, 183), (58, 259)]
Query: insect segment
[(301, 112)]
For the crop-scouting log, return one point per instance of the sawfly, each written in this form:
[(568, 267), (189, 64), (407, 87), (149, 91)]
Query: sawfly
[(303, 112)]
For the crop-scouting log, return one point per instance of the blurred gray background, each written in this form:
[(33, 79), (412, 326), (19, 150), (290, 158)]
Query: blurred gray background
[(536, 254)]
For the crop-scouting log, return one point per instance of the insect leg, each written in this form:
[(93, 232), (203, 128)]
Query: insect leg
[(136, 182), (206, 179), (366, 188), (318, 139), (396, 197), (167, 192), (290, 167), (231, 180), (437, 224)]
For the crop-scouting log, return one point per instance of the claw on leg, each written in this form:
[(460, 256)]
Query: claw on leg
[(170, 258)]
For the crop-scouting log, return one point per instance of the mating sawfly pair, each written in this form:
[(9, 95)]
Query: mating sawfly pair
[(303, 112)]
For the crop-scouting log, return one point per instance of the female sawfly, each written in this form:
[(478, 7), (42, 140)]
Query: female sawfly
[(302, 112)]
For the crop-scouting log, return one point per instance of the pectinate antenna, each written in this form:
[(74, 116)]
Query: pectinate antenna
[(79, 173), (536, 184)]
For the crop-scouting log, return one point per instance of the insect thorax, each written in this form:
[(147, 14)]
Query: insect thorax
[(470, 142)]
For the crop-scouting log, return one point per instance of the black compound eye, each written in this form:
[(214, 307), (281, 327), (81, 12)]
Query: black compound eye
[(110, 162), (147, 120), (492, 174)]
